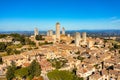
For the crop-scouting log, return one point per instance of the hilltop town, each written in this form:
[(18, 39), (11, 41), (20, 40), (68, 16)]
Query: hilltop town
[(87, 57)]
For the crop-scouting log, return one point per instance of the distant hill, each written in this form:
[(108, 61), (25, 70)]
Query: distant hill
[(92, 33)]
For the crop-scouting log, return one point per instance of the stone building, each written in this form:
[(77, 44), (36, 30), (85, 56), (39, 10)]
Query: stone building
[(84, 36), (50, 33), (63, 31), (77, 39), (58, 31), (36, 32)]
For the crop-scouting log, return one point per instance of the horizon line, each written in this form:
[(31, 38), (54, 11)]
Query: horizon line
[(60, 30)]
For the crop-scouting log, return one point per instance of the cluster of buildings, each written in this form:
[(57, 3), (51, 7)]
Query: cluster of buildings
[(80, 40), (98, 61), (66, 38)]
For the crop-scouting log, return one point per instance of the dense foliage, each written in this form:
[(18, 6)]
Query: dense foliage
[(80, 58), (1, 60), (39, 37), (18, 37), (62, 75), (3, 35), (2, 46), (45, 43), (29, 42), (21, 73), (116, 46), (10, 47), (10, 71), (58, 62), (34, 70)]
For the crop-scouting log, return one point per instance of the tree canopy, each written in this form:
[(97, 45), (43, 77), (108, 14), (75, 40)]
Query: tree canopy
[(34, 69), (62, 75), (23, 72), (2, 46), (58, 62), (1, 61), (10, 71)]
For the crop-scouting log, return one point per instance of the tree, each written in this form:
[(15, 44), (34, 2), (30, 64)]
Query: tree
[(116, 46), (12, 51), (1, 60), (37, 37), (13, 65), (23, 72), (78, 52), (23, 39), (34, 69), (2, 46), (38, 78), (62, 75), (74, 71), (10, 71), (29, 42), (9, 50), (18, 37), (15, 35), (80, 58), (3, 35), (58, 63), (10, 74), (17, 51)]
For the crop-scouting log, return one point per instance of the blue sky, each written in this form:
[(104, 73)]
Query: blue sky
[(72, 14)]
